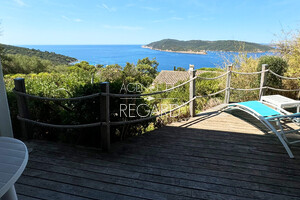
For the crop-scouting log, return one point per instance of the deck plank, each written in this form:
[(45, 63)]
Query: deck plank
[(195, 159)]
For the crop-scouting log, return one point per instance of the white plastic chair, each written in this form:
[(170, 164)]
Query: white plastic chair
[(13, 152)]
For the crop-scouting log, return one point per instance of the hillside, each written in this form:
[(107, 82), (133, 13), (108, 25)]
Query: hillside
[(53, 57), (201, 45)]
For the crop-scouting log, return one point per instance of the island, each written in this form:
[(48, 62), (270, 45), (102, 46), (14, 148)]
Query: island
[(202, 46)]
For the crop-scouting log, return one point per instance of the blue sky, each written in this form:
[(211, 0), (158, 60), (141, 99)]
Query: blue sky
[(144, 21)]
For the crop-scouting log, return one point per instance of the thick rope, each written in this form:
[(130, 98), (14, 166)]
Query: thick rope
[(284, 77), (249, 89), (213, 94), (155, 93), (101, 123), (148, 118), (202, 71), (249, 73), (152, 117), (147, 94), (59, 126), (283, 90), (56, 99), (204, 78)]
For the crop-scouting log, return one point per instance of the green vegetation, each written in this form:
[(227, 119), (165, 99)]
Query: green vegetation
[(277, 65), (25, 61), (144, 72), (289, 48), (18, 63), (179, 69), (200, 45), (284, 64), (243, 63), (45, 78), (210, 69), (79, 80), (180, 95), (45, 55)]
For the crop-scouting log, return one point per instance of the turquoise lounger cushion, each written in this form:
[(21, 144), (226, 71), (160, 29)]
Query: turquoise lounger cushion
[(260, 108)]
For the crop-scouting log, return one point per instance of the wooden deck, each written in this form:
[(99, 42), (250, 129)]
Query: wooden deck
[(197, 159)]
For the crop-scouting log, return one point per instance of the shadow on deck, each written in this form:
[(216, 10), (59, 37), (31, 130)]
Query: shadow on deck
[(212, 156)]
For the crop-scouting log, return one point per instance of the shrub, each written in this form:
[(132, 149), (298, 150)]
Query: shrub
[(205, 87), (76, 81), (289, 49), (243, 63), (25, 64), (180, 95), (277, 65), (210, 69)]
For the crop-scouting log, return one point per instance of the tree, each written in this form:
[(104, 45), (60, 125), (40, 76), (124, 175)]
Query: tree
[(148, 67), (277, 65), (85, 66), (179, 69), (110, 73), (289, 48), (130, 74)]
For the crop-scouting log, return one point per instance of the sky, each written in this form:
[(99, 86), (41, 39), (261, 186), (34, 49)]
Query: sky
[(53, 22)]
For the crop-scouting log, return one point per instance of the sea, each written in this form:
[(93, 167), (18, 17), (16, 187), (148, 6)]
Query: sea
[(121, 54)]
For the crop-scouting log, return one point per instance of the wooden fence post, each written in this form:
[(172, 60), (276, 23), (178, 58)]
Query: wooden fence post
[(263, 79), (227, 92), (22, 106), (5, 121), (104, 117), (192, 73)]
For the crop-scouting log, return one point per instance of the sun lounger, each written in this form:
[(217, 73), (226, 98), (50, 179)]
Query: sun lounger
[(267, 115), (281, 102)]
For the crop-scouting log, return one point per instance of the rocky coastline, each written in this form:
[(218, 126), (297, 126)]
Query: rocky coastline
[(203, 52)]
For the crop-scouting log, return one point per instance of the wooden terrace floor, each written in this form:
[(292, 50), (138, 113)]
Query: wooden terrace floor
[(197, 159)]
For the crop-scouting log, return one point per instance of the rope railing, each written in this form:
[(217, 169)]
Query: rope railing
[(98, 94), (283, 90), (208, 95), (159, 92), (284, 77), (59, 126), (250, 73), (246, 89), (213, 94), (152, 117), (147, 94), (214, 78), (105, 94), (167, 112), (56, 99), (115, 123)]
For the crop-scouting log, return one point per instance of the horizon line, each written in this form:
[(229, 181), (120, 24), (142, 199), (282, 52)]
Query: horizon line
[(264, 43), (65, 44)]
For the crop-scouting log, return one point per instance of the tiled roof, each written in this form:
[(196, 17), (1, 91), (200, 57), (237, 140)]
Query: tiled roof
[(172, 77)]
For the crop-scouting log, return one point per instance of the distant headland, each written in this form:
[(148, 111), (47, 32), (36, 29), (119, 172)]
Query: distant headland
[(51, 56), (201, 46), (203, 52)]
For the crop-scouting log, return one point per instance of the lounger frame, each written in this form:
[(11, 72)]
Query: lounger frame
[(266, 121)]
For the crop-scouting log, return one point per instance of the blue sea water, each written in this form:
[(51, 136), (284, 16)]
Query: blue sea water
[(121, 54)]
